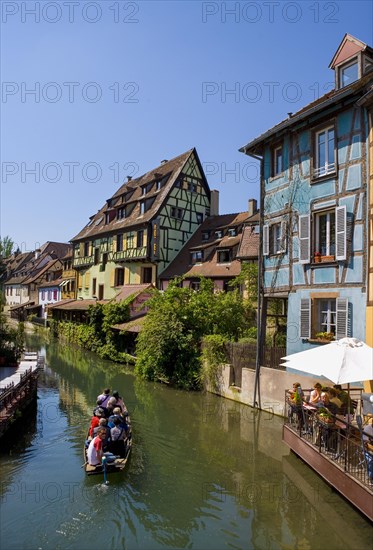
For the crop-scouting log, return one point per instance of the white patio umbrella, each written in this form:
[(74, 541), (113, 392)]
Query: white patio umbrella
[(343, 361)]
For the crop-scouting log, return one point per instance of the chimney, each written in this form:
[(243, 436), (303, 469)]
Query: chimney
[(214, 203), (129, 178), (164, 161), (252, 207), (37, 253)]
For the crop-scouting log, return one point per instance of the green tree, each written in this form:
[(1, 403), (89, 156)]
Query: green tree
[(6, 246), (169, 346)]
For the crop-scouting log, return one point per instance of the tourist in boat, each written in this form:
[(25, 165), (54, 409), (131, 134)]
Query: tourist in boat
[(95, 420), (117, 413), (103, 424), (95, 450), (111, 405), (120, 402), (118, 436), (315, 395), (103, 398)]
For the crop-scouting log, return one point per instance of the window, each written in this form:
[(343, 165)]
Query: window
[(177, 213), (219, 234), (130, 241), (325, 154), (158, 185), (195, 285), (97, 256), (100, 292), (192, 187), (329, 238), (119, 242), (119, 277), (86, 249), (121, 213), (277, 161), (196, 256), (42, 294), (147, 273), (104, 260), (232, 231), (94, 287), (274, 238), (49, 295), (55, 295), (325, 314), (348, 73), (199, 218), (142, 208), (144, 189), (327, 317), (325, 233), (140, 239), (205, 235), (224, 256)]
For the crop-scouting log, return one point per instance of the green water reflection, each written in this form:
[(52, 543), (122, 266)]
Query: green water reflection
[(205, 473)]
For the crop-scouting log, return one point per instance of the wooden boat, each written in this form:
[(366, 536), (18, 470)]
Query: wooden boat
[(119, 463)]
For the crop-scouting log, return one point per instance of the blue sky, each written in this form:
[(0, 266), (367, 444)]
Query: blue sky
[(119, 86)]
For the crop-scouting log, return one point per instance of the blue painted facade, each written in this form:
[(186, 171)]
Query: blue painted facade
[(314, 216)]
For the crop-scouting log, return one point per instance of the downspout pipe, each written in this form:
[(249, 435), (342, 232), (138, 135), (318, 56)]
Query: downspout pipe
[(257, 397)]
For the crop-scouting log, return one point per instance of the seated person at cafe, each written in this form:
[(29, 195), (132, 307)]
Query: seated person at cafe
[(333, 398), (325, 403), (346, 407), (295, 400), (315, 395)]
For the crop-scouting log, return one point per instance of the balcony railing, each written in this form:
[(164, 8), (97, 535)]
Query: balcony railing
[(83, 261), (130, 253), (335, 436)]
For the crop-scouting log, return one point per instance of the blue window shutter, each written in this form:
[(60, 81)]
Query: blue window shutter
[(305, 318), (340, 232), (304, 239), (265, 240), (342, 318)]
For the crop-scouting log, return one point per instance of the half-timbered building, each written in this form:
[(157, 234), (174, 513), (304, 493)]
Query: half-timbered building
[(314, 207), (141, 228)]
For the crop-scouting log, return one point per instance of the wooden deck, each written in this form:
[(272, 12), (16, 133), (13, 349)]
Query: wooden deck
[(359, 493), (18, 390)]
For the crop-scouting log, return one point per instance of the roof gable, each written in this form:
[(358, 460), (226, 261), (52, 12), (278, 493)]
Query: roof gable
[(131, 195), (348, 48)]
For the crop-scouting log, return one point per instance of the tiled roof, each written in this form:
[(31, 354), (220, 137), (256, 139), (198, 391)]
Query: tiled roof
[(249, 247), (132, 290), (209, 267), (49, 284), (170, 171), (322, 102), (76, 305), (15, 281), (131, 326), (35, 275)]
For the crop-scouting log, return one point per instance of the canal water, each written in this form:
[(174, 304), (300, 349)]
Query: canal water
[(205, 473)]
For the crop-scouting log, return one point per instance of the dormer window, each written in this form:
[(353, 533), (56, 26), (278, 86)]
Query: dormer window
[(121, 213), (205, 235), (158, 185), (348, 73), (218, 234), (232, 231)]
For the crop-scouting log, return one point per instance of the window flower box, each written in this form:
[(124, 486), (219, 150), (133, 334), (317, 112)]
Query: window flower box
[(327, 259), (317, 257)]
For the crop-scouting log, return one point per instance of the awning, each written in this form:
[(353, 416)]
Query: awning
[(64, 283), (19, 306)]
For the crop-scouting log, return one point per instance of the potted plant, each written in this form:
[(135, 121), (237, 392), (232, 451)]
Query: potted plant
[(325, 336), (328, 258), (317, 257), (324, 416)]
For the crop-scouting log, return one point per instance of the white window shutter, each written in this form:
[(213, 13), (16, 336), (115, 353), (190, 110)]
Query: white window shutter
[(305, 318), (304, 239), (340, 232), (265, 240), (342, 318), (283, 236)]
